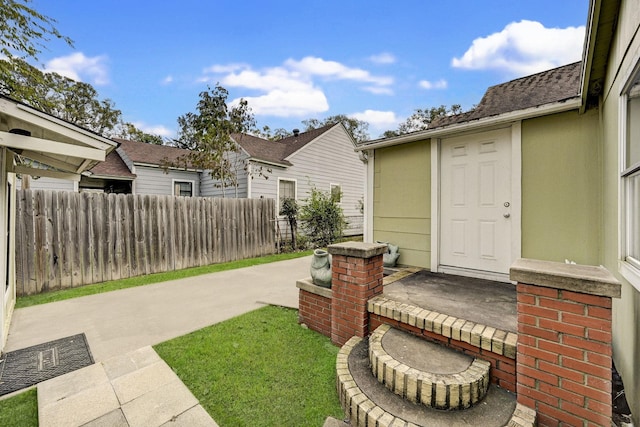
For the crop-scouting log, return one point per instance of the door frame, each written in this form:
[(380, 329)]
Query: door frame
[(516, 204)]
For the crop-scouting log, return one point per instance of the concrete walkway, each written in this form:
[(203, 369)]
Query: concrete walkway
[(121, 325)]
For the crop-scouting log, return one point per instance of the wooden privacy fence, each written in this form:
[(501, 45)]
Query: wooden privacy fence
[(66, 239)]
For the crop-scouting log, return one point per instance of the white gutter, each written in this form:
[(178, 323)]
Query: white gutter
[(513, 116)]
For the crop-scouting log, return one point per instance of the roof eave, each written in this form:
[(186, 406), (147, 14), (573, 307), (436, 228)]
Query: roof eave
[(473, 125), (587, 55), (270, 162)]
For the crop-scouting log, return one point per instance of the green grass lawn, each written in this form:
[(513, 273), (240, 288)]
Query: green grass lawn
[(259, 369), (20, 410), (29, 300)]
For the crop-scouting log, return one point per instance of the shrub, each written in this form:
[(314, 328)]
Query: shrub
[(290, 210), (322, 218)]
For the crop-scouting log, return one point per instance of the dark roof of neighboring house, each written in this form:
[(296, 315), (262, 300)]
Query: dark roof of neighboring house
[(151, 154), (551, 86), (278, 151), (113, 166)]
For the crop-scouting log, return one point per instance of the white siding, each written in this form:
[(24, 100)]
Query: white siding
[(45, 183), (208, 185), (154, 181), (328, 160)]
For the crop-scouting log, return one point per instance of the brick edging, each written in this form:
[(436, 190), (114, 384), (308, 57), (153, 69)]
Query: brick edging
[(485, 337), (458, 390)]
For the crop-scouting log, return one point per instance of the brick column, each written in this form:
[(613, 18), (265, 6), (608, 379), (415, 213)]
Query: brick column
[(564, 341), (356, 277)]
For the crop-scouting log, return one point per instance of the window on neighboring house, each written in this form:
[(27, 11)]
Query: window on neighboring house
[(286, 190), (183, 188), (630, 174), (336, 192)]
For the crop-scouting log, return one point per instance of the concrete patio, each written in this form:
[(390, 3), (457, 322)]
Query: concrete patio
[(129, 385)]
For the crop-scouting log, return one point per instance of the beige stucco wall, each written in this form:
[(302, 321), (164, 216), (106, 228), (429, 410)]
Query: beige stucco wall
[(624, 53), (402, 179), (561, 192)]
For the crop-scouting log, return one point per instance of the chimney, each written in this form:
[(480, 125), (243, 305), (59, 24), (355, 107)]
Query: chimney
[(296, 132)]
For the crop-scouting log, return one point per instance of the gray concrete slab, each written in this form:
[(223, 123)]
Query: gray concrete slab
[(482, 301), (148, 395), (123, 321)]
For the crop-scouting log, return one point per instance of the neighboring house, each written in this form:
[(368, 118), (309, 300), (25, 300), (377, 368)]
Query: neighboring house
[(546, 167), (149, 164), (35, 143), (323, 158), (289, 167)]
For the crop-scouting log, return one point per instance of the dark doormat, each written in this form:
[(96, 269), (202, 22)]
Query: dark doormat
[(28, 366)]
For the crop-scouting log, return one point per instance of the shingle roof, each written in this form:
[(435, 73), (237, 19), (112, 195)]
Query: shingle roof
[(278, 151), (547, 87), (113, 166), (141, 152)]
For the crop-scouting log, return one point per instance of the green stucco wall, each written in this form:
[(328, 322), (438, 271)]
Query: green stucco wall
[(623, 53), (402, 179), (561, 190)]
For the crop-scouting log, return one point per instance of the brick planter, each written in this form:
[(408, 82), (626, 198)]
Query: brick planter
[(314, 306), (564, 341)]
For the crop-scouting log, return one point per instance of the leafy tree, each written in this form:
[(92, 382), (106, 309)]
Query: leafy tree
[(207, 133), (358, 129), (322, 218), (131, 132), (76, 102), (289, 209), (422, 118), (23, 35)]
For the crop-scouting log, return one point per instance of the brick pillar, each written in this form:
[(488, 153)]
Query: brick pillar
[(564, 341), (356, 277)]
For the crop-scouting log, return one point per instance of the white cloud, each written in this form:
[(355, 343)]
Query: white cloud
[(155, 129), (79, 67), (426, 84), (383, 58), (317, 66), (167, 80), (378, 90), (524, 47), (288, 103), (223, 69), (379, 120), (291, 90)]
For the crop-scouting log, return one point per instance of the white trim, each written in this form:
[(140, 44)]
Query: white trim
[(249, 178), (516, 191), (76, 186), (435, 203), (50, 161), (475, 125), (631, 273), (52, 147), (192, 182), (295, 192), (478, 274), (46, 121), (368, 197), (45, 172)]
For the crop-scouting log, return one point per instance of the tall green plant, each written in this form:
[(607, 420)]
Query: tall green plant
[(322, 218), (290, 210)]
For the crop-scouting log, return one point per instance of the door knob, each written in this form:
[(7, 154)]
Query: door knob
[(506, 215)]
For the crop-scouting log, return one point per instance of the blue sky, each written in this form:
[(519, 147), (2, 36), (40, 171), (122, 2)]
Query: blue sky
[(294, 60)]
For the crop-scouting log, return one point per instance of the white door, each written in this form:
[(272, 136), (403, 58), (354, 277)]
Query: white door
[(475, 192)]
